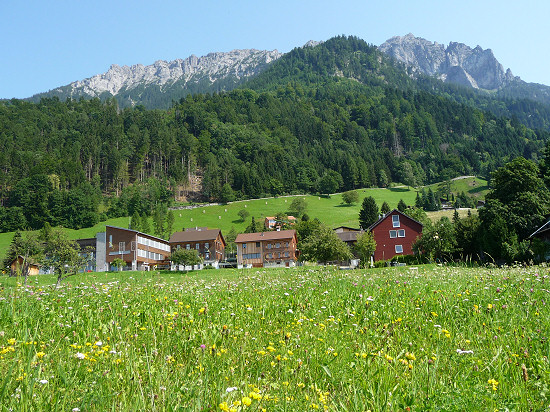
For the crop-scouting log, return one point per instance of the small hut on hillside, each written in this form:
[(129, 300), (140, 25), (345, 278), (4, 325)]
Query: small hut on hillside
[(16, 267)]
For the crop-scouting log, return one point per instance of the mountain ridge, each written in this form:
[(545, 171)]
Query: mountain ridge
[(130, 82)]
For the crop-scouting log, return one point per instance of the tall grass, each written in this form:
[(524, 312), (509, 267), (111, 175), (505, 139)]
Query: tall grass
[(434, 338)]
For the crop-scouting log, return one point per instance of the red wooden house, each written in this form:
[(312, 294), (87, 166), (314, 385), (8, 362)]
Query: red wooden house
[(395, 233)]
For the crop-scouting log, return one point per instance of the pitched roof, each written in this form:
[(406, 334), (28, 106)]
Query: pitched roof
[(256, 237), (195, 235), (388, 214), (348, 236), (541, 229)]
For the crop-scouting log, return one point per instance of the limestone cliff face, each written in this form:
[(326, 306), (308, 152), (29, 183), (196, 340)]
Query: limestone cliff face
[(157, 85), (212, 67), (457, 63)]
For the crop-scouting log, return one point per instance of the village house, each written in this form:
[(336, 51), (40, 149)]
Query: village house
[(395, 233), (209, 243), (139, 250), (347, 234), (267, 249)]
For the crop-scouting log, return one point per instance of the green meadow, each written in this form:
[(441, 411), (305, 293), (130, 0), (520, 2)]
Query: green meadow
[(328, 209), (307, 338)]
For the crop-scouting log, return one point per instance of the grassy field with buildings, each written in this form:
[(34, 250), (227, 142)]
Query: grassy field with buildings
[(328, 209)]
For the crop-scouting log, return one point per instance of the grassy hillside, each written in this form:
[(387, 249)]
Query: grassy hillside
[(472, 186)]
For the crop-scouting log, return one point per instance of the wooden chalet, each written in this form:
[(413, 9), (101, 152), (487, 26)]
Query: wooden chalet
[(209, 243), (267, 249)]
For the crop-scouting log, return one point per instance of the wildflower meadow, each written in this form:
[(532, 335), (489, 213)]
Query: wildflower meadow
[(395, 339)]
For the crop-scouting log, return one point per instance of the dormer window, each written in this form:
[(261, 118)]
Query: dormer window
[(395, 221)]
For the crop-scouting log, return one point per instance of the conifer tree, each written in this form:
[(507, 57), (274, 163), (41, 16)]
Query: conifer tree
[(368, 213)]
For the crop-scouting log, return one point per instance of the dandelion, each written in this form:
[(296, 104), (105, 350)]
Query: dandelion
[(40, 355), (494, 383), (11, 341), (410, 356)]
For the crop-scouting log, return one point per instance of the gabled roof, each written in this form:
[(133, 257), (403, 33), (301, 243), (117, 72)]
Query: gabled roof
[(542, 229), (195, 235), (257, 237), (351, 229), (388, 214)]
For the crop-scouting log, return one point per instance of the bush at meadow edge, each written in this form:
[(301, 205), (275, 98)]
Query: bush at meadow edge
[(298, 339)]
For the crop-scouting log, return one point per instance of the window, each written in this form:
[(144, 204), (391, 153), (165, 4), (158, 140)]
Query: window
[(286, 244), (277, 245), (287, 254), (393, 234), (207, 245), (110, 240), (398, 248), (395, 221), (244, 246), (257, 244), (179, 246), (197, 246), (269, 245), (401, 233), (121, 246)]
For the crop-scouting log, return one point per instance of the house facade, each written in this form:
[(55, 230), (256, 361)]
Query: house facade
[(267, 249), (209, 243), (139, 250), (395, 233)]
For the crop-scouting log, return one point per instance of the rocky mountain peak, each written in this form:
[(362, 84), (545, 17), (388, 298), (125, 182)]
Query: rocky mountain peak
[(457, 63), (236, 64)]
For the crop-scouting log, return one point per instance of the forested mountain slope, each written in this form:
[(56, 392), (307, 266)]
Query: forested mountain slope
[(321, 119)]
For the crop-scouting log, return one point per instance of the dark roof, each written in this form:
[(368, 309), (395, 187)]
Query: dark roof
[(351, 229), (256, 237), (348, 236), (542, 229), (195, 235), (389, 213)]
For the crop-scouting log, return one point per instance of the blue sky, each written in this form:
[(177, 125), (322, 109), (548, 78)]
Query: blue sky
[(48, 44)]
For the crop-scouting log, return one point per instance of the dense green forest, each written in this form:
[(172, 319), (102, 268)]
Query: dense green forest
[(321, 119)]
